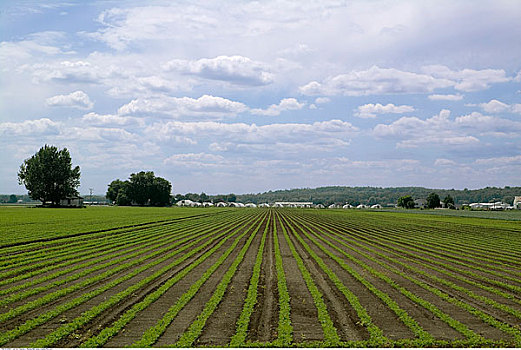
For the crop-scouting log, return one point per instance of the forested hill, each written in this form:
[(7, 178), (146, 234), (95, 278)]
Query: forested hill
[(383, 196)]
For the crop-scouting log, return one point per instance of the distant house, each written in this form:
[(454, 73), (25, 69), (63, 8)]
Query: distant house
[(420, 203), (517, 202), (293, 204), (73, 201)]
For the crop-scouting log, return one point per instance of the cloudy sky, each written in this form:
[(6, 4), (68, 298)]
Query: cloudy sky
[(241, 96)]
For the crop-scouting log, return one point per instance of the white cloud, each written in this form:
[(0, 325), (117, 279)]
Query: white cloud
[(370, 110), (43, 126), (197, 160), (495, 106), (448, 97), (231, 69), (110, 119), (498, 161), (439, 130), (206, 106), (76, 99), (322, 100), (444, 162), (286, 104), (468, 79), (376, 81)]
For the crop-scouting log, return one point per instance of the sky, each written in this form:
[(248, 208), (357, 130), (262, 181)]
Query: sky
[(250, 96)]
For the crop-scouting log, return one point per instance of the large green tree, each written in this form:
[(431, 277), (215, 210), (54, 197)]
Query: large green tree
[(406, 202), (142, 188), (433, 201), (49, 176)]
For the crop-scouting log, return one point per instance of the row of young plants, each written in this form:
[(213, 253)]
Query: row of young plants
[(157, 250), (450, 264), (57, 335), (416, 259), (152, 334), (375, 237), (425, 339), (468, 237), (331, 337), (66, 250), (243, 322), (402, 314), (115, 256), (376, 335), (284, 327), (68, 261), (422, 244), (487, 318), (193, 332), (208, 237)]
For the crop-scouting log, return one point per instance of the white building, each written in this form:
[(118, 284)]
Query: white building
[(489, 206), (517, 202), (293, 204)]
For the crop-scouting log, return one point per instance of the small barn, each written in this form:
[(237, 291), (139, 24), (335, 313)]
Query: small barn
[(72, 201)]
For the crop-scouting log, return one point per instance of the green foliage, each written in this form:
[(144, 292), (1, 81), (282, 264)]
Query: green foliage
[(49, 176), (143, 188), (406, 202), (433, 201), (449, 202)]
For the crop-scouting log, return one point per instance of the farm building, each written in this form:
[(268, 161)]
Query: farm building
[(293, 204), (73, 201), (517, 202), (489, 206), (236, 205)]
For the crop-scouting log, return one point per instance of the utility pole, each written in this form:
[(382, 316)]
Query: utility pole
[(90, 190)]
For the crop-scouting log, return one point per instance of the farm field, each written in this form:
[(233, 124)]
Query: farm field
[(258, 277)]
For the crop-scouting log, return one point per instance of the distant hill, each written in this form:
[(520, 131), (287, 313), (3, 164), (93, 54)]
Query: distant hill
[(384, 196)]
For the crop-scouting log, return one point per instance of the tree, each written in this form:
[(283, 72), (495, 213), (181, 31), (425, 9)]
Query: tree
[(13, 198), (143, 188), (433, 201), (449, 202), (406, 202), (49, 176), (114, 189)]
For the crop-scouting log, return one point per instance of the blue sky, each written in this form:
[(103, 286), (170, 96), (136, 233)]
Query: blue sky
[(240, 96)]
